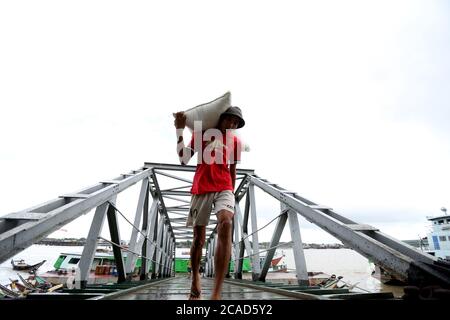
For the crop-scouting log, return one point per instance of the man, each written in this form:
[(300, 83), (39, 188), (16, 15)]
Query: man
[(213, 185)]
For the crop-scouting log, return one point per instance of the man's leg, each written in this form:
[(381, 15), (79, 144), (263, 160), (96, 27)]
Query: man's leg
[(196, 255), (223, 250)]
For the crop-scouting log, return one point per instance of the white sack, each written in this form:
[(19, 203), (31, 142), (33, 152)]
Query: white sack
[(208, 113)]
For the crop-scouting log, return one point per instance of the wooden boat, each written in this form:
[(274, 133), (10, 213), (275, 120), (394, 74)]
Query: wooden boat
[(275, 261), (23, 266), (34, 284)]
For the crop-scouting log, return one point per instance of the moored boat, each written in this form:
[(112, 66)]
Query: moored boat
[(439, 237), (275, 265), (23, 266), (438, 240), (103, 268)]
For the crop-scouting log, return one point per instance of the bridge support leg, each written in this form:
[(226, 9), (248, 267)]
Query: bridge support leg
[(256, 262), (208, 258), (297, 246), (163, 259), (281, 222), (145, 226), (159, 242), (236, 246), (213, 253), (115, 237), (91, 245), (134, 244), (151, 247), (169, 256), (245, 242)]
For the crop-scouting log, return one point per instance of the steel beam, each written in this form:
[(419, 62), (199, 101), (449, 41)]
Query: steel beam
[(134, 245), (297, 248), (247, 244), (145, 226), (186, 168), (115, 237), (151, 252), (90, 247), (256, 266), (164, 249), (159, 244), (236, 247), (172, 176), (281, 222)]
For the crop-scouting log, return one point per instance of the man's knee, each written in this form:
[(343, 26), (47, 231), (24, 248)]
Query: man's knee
[(225, 220)]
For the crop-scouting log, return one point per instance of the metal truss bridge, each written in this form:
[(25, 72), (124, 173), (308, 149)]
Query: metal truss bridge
[(159, 223)]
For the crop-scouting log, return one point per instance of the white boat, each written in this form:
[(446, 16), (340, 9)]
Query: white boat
[(438, 240), (439, 237)]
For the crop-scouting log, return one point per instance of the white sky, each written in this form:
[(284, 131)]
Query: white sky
[(346, 102)]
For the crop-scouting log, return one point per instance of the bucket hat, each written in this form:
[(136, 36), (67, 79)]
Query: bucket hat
[(235, 111)]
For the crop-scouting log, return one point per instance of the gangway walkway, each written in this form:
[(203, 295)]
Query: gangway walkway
[(178, 288)]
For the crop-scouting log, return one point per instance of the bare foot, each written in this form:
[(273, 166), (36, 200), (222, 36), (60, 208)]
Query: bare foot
[(196, 289), (215, 297)]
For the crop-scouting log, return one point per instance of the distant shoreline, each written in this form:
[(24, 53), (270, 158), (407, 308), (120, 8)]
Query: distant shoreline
[(263, 245)]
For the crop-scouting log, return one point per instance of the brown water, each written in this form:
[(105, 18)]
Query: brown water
[(353, 267)]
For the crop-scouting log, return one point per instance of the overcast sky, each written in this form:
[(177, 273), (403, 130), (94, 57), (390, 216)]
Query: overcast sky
[(345, 102)]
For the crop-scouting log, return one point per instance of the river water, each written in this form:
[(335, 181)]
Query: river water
[(354, 268)]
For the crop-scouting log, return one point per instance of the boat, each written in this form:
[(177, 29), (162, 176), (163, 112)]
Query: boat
[(275, 265), (438, 240), (439, 237), (23, 266), (19, 290), (103, 268), (275, 261)]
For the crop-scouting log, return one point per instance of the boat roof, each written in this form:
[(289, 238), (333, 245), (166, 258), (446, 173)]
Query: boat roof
[(97, 255), (439, 217)]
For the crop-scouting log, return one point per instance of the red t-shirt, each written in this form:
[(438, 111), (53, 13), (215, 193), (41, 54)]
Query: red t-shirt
[(213, 175)]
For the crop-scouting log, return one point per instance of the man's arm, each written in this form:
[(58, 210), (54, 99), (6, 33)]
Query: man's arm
[(233, 174), (184, 153), (236, 159)]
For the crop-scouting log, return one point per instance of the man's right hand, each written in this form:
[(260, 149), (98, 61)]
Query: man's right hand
[(180, 120)]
